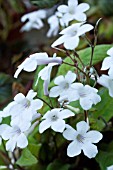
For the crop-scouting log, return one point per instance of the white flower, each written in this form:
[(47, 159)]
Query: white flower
[(54, 119), (54, 26), (45, 74), (110, 167), (70, 35), (107, 82), (73, 11), (63, 87), (25, 108), (30, 64), (2, 129), (108, 62), (86, 94), (82, 140), (35, 20), (15, 136)]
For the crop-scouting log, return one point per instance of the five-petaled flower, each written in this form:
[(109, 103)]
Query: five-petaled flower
[(82, 139), (54, 119), (73, 11), (70, 35)]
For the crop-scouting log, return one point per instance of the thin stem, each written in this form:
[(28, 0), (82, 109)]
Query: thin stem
[(86, 115), (70, 57), (76, 54), (92, 52), (69, 64), (50, 101), (45, 102)]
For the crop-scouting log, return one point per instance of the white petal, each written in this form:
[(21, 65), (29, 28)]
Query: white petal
[(110, 167), (29, 64), (8, 133), (10, 145), (70, 77), (86, 103), (58, 126), (80, 17), (73, 149), (58, 80), (60, 40), (104, 80), (2, 128), (31, 94), (107, 63), (89, 150), (63, 8), (55, 91), (45, 124), (22, 141), (72, 2), (19, 98), (71, 43), (110, 51), (84, 28), (65, 114), (36, 104), (93, 136), (83, 7), (70, 133), (82, 127)]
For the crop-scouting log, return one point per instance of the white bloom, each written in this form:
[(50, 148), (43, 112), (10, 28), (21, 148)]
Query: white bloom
[(2, 129), (107, 82), (54, 119), (110, 167), (82, 140), (54, 26), (108, 62), (35, 20), (45, 74), (70, 35), (25, 108), (86, 94), (15, 136), (30, 64), (64, 85), (73, 11)]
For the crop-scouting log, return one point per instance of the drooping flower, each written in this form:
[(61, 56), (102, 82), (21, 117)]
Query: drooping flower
[(54, 119), (25, 108), (70, 35), (15, 136), (35, 20), (53, 22), (30, 64), (108, 62), (82, 139), (64, 85), (106, 81), (73, 11), (87, 95), (45, 74)]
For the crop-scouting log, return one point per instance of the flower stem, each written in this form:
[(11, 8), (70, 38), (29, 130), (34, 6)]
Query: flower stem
[(46, 102)]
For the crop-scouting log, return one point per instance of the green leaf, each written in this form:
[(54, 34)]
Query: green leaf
[(105, 158), (100, 53), (26, 159), (35, 148), (57, 165)]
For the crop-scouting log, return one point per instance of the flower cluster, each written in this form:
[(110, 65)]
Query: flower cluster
[(70, 87)]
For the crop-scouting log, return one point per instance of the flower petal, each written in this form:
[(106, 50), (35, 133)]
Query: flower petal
[(82, 127), (58, 80), (10, 145), (73, 149), (60, 40), (36, 104), (63, 8), (19, 98), (71, 42), (31, 94), (58, 126), (110, 51), (107, 63), (86, 103), (70, 133), (22, 141), (89, 150), (83, 7), (70, 77), (94, 136), (65, 114), (45, 124), (55, 91), (84, 28)]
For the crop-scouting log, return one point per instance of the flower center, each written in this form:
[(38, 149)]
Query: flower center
[(72, 10), (27, 104), (80, 138), (54, 118)]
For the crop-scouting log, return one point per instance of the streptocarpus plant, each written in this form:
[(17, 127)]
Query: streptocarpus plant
[(74, 86)]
